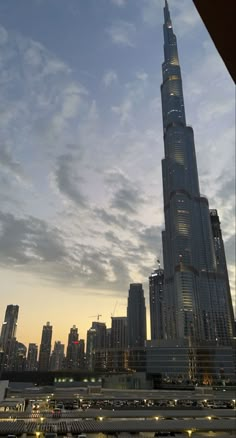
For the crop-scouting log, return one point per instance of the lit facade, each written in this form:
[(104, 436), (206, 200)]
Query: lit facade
[(196, 293)]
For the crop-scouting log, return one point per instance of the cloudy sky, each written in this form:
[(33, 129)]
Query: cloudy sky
[(81, 146)]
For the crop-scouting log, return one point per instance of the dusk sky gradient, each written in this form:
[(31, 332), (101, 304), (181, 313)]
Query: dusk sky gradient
[(81, 144)]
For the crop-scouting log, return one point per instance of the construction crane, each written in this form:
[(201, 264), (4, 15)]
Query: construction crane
[(113, 313), (97, 316)]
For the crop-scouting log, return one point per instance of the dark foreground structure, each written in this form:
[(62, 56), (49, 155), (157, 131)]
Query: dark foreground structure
[(219, 19)]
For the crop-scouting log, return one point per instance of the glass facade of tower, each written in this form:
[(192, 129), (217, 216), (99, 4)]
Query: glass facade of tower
[(136, 316), (157, 310), (72, 354), (8, 337), (32, 363), (45, 347), (196, 294)]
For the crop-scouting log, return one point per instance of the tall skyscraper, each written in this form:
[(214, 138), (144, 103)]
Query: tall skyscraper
[(136, 316), (119, 332), (32, 363), (221, 258), (96, 346), (57, 356), (90, 348), (8, 336), (19, 358), (117, 354), (100, 339), (108, 338), (45, 347), (156, 301), (196, 293), (81, 354), (72, 354)]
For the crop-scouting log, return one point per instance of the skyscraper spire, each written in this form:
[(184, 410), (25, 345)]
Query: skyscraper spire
[(167, 12), (196, 295)]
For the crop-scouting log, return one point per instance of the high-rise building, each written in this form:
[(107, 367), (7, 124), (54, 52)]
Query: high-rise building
[(57, 356), (136, 316), (90, 348), (119, 332), (100, 327), (32, 364), (19, 358), (108, 338), (196, 293), (8, 336), (45, 347), (117, 354), (81, 354), (221, 259), (156, 301), (96, 346), (72, 354)]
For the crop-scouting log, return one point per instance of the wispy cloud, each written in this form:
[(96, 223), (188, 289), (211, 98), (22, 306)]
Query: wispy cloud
[(8, 162), (134, 93), (109, 78), (124, 111), (119, 3), (126, 195), (67, 180), (142, 76), (122, 33), (3, 36)]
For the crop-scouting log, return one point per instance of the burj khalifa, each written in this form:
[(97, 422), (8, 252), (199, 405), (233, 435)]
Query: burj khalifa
[(198, 303)]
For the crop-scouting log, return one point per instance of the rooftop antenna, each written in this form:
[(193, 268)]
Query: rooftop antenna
[(159, 264)]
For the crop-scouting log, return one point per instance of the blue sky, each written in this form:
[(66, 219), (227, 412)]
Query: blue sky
[(81, 146)]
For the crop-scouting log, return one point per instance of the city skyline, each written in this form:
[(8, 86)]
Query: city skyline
[(93, 122)]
